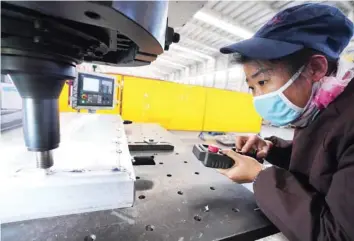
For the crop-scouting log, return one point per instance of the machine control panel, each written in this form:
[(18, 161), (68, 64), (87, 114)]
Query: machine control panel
[(94, 91)]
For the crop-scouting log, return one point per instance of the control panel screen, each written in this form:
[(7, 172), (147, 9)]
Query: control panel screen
[(95, 90), (91, 84)]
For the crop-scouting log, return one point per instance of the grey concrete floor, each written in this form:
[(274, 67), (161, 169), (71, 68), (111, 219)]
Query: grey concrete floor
[(191, 138)]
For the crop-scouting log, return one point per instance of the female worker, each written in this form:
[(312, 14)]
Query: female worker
[(295, 74)]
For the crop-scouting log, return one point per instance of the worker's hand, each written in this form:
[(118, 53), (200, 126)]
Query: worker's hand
[(246, 144), (244, 170)]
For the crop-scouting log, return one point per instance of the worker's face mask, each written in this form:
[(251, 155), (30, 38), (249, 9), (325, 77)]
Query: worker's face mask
[(276, 108)]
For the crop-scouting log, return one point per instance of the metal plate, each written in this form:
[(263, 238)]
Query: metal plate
[(177, 199), (92, 171), (141, 146)]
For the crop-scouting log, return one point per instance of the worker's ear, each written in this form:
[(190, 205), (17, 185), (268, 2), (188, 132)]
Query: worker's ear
[(317, 67)]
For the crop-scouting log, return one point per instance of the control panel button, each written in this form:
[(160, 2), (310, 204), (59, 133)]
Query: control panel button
[(213, 149)]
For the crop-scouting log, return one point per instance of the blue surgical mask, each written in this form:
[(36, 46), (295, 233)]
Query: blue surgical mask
[(275, 107)]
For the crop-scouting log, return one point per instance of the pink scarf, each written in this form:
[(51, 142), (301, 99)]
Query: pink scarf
[(325, 91)]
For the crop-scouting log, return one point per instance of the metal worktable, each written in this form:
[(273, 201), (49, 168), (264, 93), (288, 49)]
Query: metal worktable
[(176, 199)]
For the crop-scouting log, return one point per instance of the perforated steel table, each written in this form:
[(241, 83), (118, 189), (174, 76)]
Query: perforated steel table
[(176, 199)]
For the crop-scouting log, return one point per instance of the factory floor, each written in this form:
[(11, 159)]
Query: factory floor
[(191, 138)]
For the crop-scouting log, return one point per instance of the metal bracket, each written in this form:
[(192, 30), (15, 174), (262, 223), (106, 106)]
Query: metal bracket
[(150, 145)]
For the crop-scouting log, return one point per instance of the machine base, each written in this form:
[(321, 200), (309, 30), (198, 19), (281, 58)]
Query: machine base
[(37, 195), (177, 199), (92, 171)]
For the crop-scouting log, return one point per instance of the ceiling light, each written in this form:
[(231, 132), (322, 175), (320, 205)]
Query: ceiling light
[(172, 63), (156, 69), (191, 51), (201, 45), (212, 20), (186, 56), (237, 68)]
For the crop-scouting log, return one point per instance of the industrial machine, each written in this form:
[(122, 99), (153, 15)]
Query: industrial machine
[(42, 42)]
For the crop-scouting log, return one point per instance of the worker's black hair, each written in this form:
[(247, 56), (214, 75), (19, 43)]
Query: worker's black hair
[(293, 61)]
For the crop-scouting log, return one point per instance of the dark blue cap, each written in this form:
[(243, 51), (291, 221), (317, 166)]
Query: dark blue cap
[(316, 26)]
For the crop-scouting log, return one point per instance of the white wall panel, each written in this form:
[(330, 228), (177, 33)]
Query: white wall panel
[(200, 80), (220, 79), (222, 62), (209, 80)]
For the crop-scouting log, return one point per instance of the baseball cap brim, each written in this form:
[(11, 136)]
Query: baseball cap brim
[(262, 48)]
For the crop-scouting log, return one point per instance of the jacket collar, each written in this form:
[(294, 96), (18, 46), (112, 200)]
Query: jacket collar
[(345, 99)]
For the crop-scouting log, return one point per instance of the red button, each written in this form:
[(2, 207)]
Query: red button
[(213, 149)]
